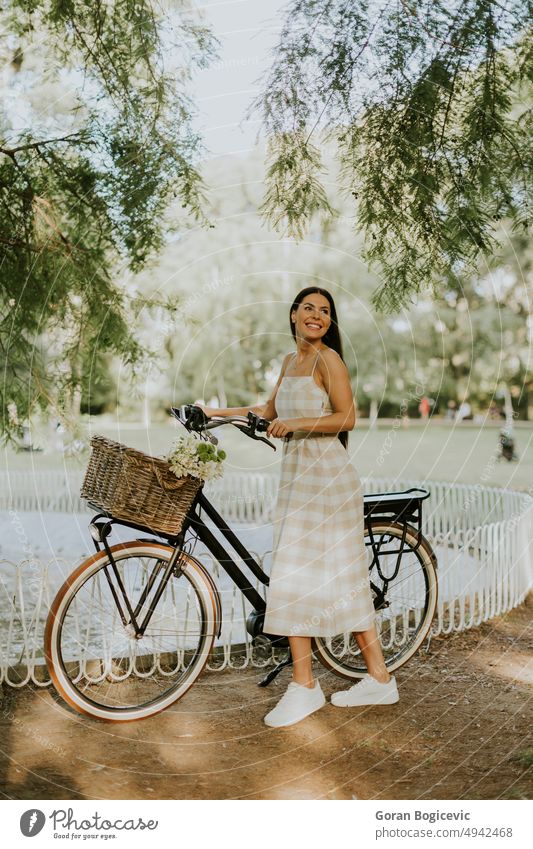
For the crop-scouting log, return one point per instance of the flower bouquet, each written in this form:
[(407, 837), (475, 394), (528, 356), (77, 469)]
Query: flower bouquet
[(193, 456)]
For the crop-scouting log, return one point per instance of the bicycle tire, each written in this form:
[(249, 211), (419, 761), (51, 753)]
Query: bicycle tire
[(64, 672), (337, 653)]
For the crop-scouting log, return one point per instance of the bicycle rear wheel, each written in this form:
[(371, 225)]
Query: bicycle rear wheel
[(96, 662), (403, 615)]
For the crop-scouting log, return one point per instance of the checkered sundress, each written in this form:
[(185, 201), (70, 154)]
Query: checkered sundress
[(319, 581)]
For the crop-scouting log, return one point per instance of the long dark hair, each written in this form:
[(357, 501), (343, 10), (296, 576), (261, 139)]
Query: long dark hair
[(332, 338)]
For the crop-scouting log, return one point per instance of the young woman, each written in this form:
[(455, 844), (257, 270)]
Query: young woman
[(319, 582)]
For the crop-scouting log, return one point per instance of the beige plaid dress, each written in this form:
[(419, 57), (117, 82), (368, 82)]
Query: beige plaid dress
[(319, 580)]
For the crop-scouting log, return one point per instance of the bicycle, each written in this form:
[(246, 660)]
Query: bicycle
[(132, 628)]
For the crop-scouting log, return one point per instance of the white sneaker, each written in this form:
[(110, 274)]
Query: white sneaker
[(368, 691), (295, 704)]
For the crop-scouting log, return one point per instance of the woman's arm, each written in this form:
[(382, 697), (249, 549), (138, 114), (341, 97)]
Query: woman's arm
[(336, 382), (229, 411), (267, 410)]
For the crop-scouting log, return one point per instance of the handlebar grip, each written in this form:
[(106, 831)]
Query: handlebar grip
[(191, 416)]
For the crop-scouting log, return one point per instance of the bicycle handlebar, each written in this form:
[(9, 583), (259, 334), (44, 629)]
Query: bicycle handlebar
[(194, 418)]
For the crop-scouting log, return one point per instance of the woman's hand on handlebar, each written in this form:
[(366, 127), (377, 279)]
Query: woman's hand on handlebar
[(208, 411), (279, 428)]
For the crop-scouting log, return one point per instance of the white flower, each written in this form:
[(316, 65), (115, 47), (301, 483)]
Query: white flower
[(185, 458)]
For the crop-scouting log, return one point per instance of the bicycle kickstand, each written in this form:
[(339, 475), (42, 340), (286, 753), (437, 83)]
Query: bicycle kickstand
[(274, 672)]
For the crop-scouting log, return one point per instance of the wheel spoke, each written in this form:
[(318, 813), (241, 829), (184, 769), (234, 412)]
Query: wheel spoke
[(409, 604), (106, 665)]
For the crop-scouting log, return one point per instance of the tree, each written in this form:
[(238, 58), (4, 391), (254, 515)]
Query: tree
[(424, 103), (84, 190)]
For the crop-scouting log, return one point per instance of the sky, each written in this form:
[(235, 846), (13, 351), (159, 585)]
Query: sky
[(247, 30)]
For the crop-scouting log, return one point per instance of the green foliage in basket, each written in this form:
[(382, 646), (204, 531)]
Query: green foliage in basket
[(191, 455)]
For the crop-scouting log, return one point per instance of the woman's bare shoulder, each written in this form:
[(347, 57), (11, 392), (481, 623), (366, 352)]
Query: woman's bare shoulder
[(331, 366), (331, 357), (286, 360)]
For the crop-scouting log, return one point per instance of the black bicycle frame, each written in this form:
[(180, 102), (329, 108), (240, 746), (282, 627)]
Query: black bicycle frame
[(194, 521), (404, 507)]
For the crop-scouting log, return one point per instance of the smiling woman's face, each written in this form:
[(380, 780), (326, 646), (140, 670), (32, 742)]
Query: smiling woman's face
[(312, 318)]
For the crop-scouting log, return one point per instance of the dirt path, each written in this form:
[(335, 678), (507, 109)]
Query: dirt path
[(462, 730)]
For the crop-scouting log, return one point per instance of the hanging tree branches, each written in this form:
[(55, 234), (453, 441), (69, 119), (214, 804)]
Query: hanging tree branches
[(428, 106), (85, 179)]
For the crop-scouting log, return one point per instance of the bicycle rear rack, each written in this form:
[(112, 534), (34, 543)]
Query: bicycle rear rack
[(398, 506), (403, 508)]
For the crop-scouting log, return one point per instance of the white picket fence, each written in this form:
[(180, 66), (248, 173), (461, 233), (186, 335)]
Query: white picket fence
[(483, 538)]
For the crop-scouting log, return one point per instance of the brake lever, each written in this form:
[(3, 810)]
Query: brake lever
[(256, 423), (246, 429), (268, 442)]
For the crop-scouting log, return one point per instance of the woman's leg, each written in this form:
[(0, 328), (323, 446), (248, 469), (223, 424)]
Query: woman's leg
[(295, 705), (302, 671), (367, 692), (368, 642)]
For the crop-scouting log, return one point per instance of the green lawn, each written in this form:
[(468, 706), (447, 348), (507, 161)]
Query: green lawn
[(464, 453)]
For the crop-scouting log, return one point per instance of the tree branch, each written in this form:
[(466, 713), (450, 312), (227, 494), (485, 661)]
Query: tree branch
[(11, 151)]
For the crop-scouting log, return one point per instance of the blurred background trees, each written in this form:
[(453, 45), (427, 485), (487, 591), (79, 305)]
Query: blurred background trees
[(237, 282)]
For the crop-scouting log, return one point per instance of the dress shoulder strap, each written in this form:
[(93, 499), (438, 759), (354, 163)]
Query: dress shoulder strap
[(295, 356)]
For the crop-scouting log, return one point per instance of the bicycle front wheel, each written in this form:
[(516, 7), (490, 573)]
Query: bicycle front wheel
[(98, 664), (404, 607)]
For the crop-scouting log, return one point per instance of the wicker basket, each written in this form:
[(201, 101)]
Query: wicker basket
[(133, 486)]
